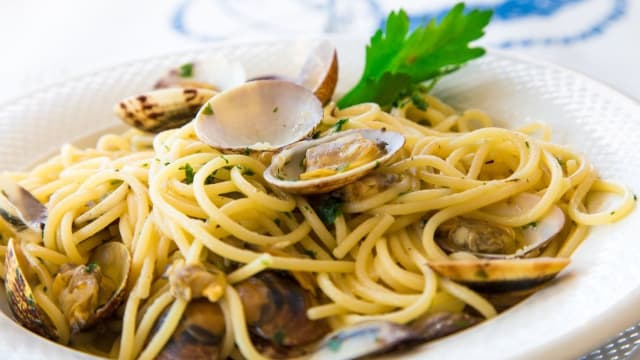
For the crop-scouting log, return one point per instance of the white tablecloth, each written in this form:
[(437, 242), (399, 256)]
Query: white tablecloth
[(47, 41)]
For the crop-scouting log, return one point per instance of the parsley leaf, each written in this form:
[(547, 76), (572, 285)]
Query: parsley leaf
[(397, 59)]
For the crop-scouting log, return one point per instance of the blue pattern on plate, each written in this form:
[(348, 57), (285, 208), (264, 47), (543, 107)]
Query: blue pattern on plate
[(505, 11)]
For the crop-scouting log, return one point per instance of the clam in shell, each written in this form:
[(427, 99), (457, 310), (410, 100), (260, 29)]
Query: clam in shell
[(320, 71), (85, 293), (258, 115), (20, 297), (493, 241), (343, 158), (503, 275), (158, 110)]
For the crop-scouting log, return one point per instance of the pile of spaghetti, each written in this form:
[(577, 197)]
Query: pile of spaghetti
[(177, 204)]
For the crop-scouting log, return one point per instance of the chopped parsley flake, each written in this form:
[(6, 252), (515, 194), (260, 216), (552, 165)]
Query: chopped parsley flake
[(526, 143), (481, 273), (207, 110), (612, 213), (418, 101), (247, 151), (310, 253), (224, 158), (328, 209), (377, 164), (277, 221), (489, 162), (275, 109), (116, 182), (278, 337), (90, 267), (186, 70), (188, 173), (248, 172), (211, 178), (532, 224), (340, 124)]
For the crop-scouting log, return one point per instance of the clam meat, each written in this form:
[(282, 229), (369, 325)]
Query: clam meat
[(494, 241), (86, 294), (325, 164), (192, 281)]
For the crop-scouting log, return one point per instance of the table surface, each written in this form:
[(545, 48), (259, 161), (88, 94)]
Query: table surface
[(44, 42)]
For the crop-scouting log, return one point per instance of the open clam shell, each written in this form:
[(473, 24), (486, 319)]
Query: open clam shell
[(320, 71), (20, 296), (287, 166), (162, 109), (493, 241), (21, 210), (377, 337), (504, 275), (258, 115), (112, 259)]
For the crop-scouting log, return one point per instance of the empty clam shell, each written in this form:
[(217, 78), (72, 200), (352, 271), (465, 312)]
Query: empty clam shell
[(320, 71), (258, 115), (287, 167), (21, 210), (501, 275), (163, 109)]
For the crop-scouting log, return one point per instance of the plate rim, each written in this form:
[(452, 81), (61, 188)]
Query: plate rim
[(613, 320)]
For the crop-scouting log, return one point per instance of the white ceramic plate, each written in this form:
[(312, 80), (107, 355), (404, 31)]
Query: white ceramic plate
[(593, 300)]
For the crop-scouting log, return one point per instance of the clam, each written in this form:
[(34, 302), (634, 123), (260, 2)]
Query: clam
[(199, 333), (378, 337), (191, 281), (325, 164), (494, 241), (320, 71), (24, 214), (501, 275), (214, 73), (20, 296), (276, 310), (258, 115), (84, 293), (162, 109)]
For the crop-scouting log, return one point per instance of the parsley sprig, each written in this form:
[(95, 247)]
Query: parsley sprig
[(397, 60)]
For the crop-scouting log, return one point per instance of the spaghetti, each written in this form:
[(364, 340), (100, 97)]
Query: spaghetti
[(171, 199)]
